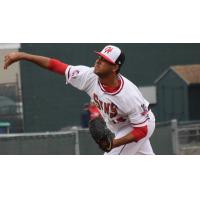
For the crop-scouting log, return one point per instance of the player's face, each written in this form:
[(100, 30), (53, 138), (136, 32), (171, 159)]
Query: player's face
[(103, 68)]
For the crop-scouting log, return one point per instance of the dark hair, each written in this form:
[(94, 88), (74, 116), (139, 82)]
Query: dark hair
[(120, 61)]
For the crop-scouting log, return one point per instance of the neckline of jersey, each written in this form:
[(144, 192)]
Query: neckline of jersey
[(116, 90)]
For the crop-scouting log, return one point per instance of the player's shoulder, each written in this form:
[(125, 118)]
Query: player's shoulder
[(80, 76), (130, 92), (129, 88), (79, 70)]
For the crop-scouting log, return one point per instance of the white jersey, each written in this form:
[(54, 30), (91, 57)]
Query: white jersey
[(125, 108)]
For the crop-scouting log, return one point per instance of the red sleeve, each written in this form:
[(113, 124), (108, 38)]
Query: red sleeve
[(57, 66), (139, 133)]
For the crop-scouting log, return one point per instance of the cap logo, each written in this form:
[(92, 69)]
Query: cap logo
[(108, 50)]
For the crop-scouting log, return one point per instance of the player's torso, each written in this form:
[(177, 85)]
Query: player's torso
[(112, 106), (109, 108), (124, 107)]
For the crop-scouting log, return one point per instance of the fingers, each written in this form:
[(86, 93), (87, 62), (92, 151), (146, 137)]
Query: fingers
[(7, 61), (6, 65), (11, 58)]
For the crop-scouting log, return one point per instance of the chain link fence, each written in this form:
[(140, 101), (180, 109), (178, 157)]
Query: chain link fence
[(186, 137), (169, 138), (73, 142)]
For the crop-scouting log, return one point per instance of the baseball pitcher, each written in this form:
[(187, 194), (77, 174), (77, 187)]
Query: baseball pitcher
[(127, 122)]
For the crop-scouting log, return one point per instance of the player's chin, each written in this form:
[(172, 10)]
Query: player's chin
[(96, 71)]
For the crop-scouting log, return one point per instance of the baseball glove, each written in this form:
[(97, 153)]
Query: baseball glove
[(101, 134)]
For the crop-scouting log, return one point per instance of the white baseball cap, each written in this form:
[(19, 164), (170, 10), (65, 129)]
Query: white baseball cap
[(112, 54)]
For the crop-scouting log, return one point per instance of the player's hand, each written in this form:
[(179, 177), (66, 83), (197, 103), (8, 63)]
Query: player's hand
[(11, 58)]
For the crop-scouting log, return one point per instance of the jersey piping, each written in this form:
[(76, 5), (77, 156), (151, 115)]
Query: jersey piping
[(115, 92)]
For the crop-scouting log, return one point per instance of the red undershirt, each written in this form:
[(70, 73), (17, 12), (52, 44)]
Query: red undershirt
[(110, 89), (57, 66)]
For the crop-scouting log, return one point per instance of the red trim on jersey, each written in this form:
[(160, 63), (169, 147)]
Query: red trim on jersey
[(57, 66), (139, 133), (141, 122), (105, 57), (111, 90)]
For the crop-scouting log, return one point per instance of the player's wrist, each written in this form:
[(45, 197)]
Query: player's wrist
[(23, 56), (123, 140), (115, 143)]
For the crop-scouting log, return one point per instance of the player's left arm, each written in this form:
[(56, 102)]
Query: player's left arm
[(134, 136), (138, 117)]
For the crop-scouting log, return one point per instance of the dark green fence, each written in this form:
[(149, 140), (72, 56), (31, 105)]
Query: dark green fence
[(87, 145), (162, 139), (37, 144), (72, 142)]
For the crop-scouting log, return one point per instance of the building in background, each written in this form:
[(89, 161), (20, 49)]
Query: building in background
[(178, 90), (11, 109)]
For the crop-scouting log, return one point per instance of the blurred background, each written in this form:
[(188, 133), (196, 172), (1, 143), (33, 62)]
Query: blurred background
[(39, 114)]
